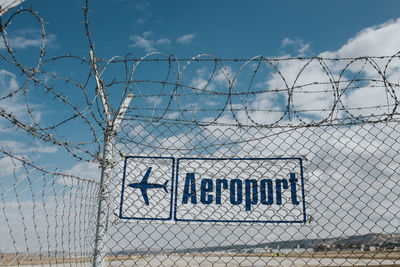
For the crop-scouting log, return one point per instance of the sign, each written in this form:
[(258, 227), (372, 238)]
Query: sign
[(264, 190), (239, 190), (147, 185)]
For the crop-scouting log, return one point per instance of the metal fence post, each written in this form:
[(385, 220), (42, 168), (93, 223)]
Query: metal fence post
[(104, 199), (105, 191), (106, 168)]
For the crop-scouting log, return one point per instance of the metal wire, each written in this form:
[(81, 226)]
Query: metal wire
[(334, 122)]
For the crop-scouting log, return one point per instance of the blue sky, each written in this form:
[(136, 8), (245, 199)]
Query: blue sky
[(221, 28), (224, 29)]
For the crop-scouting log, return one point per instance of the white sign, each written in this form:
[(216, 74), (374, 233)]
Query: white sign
[(240, 190), (249, 190)]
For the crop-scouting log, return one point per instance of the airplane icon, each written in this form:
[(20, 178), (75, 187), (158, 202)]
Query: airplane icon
[(144, 185)]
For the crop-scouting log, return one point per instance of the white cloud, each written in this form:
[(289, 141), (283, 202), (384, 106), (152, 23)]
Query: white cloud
[(14, 104), (303, 48), (287, 41), (177, 142), (163, 41), (210, 90), (172, 115), (147, 43), (381, 40), (300, 46), (13, 101), (224, 76), (9, 166), (221, 78), (312, 93), (155, 100), (19, 147), (222, 130), (314, 83), (368, 96), (142, 42), (86, 170), (264, 109), (201, 80), (23, 42), (186, 39), (28, 38), (8, 82), (201, 83)]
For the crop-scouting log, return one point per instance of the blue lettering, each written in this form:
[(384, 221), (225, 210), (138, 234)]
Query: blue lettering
[(219, 183), (280, 183), (206, 187), (264, 193), (236, 195), (189, 181), (293, 188), (251, 192)]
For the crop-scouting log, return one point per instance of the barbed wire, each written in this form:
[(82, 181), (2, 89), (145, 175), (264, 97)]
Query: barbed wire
[(92, 113), (255, 59)]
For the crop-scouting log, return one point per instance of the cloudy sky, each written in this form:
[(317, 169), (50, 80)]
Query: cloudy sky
[(224, 29)]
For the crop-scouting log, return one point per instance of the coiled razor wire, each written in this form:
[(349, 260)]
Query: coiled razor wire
[(238, 121)]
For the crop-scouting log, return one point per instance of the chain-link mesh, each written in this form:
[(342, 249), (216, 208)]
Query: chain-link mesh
[(221, 162), (46, 217), (225, 126), (48, 193)]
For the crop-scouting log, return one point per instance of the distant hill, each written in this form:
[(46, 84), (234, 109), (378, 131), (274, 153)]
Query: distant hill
[(376, 240)]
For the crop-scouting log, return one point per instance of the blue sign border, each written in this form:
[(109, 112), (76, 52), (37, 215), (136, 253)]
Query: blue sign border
[(123, 189), (241, 221)]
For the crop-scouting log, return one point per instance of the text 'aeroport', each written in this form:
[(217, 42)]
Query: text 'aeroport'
[(247, 191)]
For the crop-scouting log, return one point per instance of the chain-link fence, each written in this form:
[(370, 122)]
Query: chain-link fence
[(297, 175), (204, 161), (46, 217)]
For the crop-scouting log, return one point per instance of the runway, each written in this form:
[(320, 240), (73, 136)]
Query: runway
[(226, 259)]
